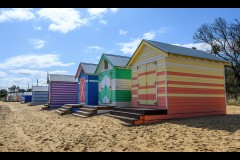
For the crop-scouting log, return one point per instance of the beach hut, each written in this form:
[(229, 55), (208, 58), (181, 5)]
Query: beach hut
[(27, 97), (20, 96), (16, 97), (114, 81), (185, 82), (62, 89), (87, 84), (39, 95)]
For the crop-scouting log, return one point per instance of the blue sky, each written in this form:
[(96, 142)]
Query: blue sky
[(36, 41)]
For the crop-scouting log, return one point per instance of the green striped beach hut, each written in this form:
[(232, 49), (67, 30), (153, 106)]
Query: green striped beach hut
[(114, 81)]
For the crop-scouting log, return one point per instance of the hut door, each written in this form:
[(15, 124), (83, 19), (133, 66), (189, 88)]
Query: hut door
[(147, 84), (82, 90), (151, 84), (142, 80), (106, 88)]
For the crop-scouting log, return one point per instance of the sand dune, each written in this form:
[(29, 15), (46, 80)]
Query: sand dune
[(25, 128)]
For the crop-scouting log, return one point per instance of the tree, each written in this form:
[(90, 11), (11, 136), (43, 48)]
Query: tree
[(3, 92), (232, 89), (21, 90), (224, 39)]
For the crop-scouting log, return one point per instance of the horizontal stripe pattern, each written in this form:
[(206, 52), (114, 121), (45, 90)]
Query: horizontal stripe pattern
[(192, 88)]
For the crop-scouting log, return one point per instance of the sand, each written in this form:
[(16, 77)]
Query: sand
[(26, 129)]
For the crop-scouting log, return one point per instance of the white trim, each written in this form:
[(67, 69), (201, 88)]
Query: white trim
[(225, 86), (166, 84), (156, 83), (92, 80)]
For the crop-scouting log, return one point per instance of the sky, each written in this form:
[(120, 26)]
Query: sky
[(40, 40)]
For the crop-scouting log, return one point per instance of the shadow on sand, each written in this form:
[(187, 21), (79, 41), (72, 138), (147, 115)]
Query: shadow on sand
[(229, 122)]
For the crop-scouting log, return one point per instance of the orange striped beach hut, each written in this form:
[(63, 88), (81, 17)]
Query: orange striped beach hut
[(186, 82)]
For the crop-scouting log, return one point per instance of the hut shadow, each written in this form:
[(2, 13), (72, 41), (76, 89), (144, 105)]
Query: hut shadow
[(229, 122)]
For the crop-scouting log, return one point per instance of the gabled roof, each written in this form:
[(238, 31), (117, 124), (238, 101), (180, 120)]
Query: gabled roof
[(117, 60), (39, 88), (60, 78), (168, 48), (88, 68), (114, 60)]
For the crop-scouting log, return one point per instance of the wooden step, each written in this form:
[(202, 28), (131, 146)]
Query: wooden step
[(126, 114), (78, 115), (62, 109), (74, 105), (45, 108), (89, 110), (67, 107), (84, 113), (127, 120), (59, 112)]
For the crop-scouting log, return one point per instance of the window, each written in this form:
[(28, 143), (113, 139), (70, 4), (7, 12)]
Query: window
[(105, 65)]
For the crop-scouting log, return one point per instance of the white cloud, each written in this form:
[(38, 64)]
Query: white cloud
[(97, 12), (162, 30), (62, 19), (130, 47), (29, 72), (34, 61), (2, 74), (37, 73), (28, 77), (38, 28), (149, 35), (22, 82), (104, 22), (122, 32), (98, 57), (199, 46), (38, 43), (16, 14), (100, 12), (95, 47), (58, 72), (114, 9)]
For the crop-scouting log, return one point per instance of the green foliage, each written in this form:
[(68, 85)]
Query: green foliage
[(3, 93), (232, 87)]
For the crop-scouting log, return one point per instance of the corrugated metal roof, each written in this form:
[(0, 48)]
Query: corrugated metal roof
[(40, 88), (89, 68), (117, 60), (184, 51), (61, 78)]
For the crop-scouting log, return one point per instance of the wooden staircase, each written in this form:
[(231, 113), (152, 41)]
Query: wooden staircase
[(64, 110), (67, 108), (132, 116), (88, 111), (85, 112)]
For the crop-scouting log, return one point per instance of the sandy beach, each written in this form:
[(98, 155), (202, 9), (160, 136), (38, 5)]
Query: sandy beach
[(25, 128)]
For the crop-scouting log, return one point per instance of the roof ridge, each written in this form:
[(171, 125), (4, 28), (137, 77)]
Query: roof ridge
[(61, 74), (116, 55), (88, 63), (174, 45)]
